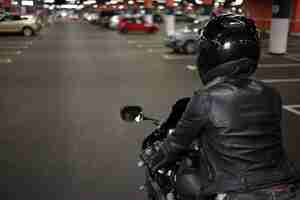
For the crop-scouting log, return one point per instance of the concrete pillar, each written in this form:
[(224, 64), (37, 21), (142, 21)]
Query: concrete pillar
[(149, 9), (281, 12), (170, 17)]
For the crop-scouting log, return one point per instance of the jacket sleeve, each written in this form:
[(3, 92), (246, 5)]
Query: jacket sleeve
[(176, 113), (187, 130), (193, 120)]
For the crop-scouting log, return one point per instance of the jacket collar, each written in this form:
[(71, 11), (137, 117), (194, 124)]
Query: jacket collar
[(242, 68), (214, 82)]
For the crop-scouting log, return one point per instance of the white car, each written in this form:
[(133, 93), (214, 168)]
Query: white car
[(28, 25), (114, 21)]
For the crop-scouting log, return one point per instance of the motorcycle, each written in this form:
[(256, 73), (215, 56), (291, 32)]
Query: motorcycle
[(168, 183)]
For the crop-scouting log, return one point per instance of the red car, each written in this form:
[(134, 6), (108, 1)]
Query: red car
[(136, 25)]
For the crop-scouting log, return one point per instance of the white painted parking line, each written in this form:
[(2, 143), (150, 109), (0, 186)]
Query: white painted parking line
[(260, 66), (292, 57), (10, 53), (157, 50), (5, 60), (266, 55), (16, 43), (279, 65), (149, 41), (291, 80), (13, 47), (177, 57), (144, 42), (132, 42), (149, 46), (292, 109)]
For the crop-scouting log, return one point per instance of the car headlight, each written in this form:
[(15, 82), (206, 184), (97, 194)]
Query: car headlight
[(115, 20), (173, 38), (187, 31)]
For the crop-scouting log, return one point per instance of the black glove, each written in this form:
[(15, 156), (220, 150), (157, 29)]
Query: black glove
[(154, 156)]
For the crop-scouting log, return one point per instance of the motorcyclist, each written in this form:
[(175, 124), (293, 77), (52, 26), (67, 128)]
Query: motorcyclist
[(236, 119)]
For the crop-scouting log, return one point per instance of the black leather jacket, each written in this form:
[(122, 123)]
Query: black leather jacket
[(238, 123)]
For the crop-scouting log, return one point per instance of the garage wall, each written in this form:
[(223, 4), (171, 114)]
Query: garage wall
[(260, 11), (295, 22)]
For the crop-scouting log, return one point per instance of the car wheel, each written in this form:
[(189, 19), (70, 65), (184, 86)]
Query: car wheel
[(28, 32), (190, 47), (150, 31), (176, 50)]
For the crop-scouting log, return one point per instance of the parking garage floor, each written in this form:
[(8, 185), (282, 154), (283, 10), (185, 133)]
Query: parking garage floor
[(60, 95)]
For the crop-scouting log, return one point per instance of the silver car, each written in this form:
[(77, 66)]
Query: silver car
[(185, 40), (28, 25)]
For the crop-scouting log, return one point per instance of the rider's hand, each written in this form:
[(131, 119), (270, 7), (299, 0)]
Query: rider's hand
[(153, 156)]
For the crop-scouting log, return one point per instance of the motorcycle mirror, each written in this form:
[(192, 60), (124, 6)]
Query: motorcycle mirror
[(132, 113)]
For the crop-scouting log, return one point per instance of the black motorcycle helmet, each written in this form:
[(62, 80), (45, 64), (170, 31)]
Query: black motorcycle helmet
[(228, 38)]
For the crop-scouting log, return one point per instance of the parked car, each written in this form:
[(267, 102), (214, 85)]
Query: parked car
[(201, 19), (185, 40), (180, 16), (136, 24), (114, 21), (74, 17), (28, 25), (105, 18), (92, 18)]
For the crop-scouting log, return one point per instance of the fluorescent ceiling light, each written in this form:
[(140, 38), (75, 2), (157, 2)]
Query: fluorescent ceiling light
[(27, 3), (161, 7), (49, 1), (69, 6), (89, 2), (237, 3), (79, 7), (199, 2)]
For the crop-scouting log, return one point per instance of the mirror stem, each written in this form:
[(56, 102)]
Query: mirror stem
[(156, 122)]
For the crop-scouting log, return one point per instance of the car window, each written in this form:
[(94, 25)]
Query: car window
[(131, 21), (11, 18), (139, 21), (7, 18), (16, 17), (199, 25)]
